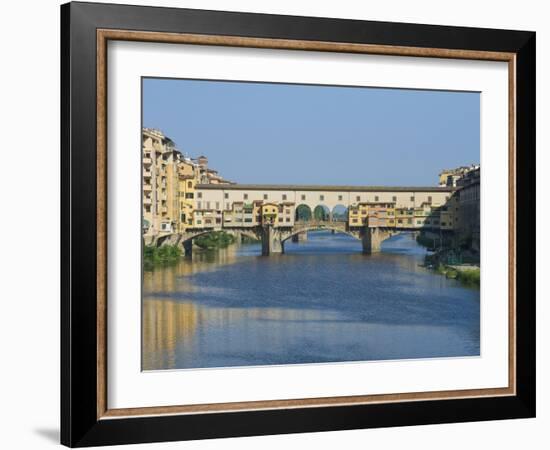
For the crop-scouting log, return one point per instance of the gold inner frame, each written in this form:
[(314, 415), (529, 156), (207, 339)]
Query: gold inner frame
[(104, 35)]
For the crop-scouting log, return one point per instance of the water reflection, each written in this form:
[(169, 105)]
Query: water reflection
[(322, 301)]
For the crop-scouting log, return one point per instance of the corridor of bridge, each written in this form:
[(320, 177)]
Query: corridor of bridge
[(321, 212)]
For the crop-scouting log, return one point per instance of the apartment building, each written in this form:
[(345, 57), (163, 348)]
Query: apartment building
[(169, 181), (155, 156), (468, 197), (451, 177)]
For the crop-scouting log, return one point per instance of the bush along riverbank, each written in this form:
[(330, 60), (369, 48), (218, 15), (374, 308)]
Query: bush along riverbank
[(455, 262), (166, 255), (214, 240), (467, 275)]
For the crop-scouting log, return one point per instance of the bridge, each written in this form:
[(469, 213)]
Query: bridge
[(222, 208), (330, 198), (274, 238)]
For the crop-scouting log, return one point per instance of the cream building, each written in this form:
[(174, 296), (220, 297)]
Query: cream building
[(351, 197), (155, 207)]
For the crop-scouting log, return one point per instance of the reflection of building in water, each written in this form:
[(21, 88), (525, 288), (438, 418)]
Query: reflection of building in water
[(165, 325), (166, 280), (171, 330)]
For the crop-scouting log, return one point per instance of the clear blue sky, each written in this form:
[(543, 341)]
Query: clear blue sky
[(304, 134)]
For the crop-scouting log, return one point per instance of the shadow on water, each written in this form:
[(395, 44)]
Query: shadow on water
[(322, 301)]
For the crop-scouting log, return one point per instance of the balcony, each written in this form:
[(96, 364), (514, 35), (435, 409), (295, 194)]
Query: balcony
[(146, 173), (147, 188), (147, 200), (147, 161)]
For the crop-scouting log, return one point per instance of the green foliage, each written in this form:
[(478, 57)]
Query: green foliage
[(452, 273), (425, 241), (216, 239), (165, 255), (470, 277)]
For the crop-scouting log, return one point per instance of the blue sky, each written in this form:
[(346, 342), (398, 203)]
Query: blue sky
[(304, 134)]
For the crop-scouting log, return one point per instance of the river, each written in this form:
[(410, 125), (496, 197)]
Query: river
[(322, 301)]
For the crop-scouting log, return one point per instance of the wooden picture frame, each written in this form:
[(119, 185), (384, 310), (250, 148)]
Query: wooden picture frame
[(86, 418)]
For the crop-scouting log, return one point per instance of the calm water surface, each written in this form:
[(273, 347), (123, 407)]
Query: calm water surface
[(322, 301)]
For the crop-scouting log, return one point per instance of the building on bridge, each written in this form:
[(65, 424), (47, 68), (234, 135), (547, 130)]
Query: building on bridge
[(248, 215), (329, 197), (381, 215), (372, 214), (358, 214)]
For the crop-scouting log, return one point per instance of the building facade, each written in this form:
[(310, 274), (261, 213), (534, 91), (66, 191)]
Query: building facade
[(450, 177), (468, 213), (169, 181), (182, 194)]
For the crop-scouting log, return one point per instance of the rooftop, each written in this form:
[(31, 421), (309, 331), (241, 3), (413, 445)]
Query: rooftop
[(331, 188)]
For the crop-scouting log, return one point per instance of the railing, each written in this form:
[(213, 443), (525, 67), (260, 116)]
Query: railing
[(319, 224)]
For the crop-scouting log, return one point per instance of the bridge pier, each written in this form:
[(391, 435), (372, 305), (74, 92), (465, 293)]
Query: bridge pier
[(188, 247), (372, 239), (271, 241), (300, 237)]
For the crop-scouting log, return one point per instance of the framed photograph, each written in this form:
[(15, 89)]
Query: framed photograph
[(277, 224)]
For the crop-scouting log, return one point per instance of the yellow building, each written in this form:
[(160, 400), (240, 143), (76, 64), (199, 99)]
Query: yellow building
[(269, 213), (358, 214), (449, 214), (187, 180), (257, 211), (404, 218), (391, 215), (169, 186)]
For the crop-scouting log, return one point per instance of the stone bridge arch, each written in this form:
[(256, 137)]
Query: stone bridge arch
[(186, 239), (329, 226), (273, 239), (166, 239)]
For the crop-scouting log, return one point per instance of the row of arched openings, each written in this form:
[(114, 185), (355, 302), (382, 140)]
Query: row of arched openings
[(321, 212)]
